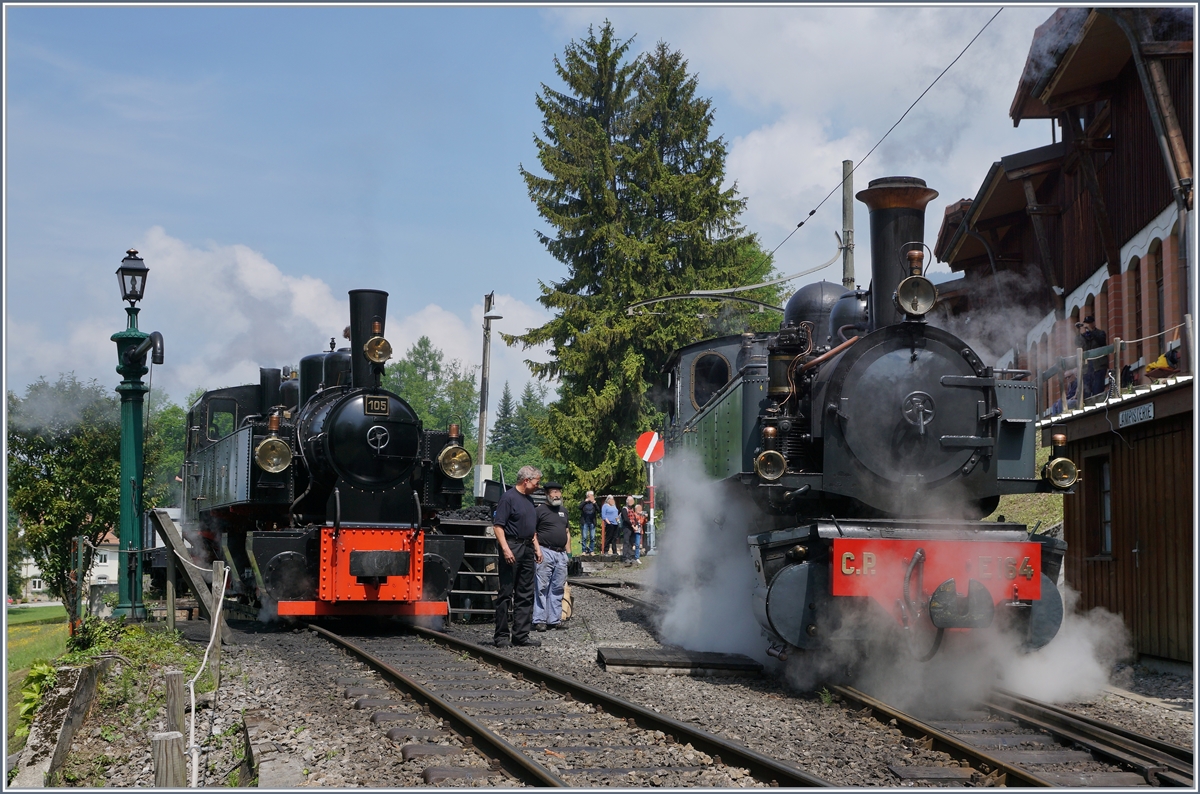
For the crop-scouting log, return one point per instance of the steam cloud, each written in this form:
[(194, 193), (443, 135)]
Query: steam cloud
[(704, 568), (706, 577)]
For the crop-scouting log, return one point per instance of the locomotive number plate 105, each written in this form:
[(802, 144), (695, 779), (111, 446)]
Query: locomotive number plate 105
[(875, 567), (375, 406)]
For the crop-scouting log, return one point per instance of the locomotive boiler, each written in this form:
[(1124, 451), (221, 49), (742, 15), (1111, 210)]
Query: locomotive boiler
[(860, 447), (321, 491)]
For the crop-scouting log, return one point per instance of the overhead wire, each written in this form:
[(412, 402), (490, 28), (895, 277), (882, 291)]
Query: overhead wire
[(813, 211)]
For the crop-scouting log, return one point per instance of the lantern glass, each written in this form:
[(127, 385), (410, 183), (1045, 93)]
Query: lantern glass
[(132, 277)]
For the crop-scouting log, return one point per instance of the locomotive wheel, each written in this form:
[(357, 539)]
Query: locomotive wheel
[(286, 577)]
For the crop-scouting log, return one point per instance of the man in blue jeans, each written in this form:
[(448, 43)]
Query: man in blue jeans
[(588, 511), (554, 539)]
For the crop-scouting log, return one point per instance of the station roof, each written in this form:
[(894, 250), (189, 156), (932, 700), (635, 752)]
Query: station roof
[(1000, 202), (1077, 51)]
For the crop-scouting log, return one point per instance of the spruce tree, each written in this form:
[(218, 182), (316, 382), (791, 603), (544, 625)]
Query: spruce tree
[(504, 430), (633, 189)]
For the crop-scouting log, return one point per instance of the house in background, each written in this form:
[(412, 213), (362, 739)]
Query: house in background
[(104, 570), (1099, 223)]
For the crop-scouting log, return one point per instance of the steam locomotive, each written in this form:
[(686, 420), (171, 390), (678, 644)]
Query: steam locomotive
[(860, 446), (321, 492)]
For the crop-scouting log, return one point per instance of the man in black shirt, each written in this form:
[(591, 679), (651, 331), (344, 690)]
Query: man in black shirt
[(554, 539), (515, 524), (1090, 338)]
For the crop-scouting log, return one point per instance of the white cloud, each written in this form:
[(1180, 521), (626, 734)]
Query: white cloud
[(226, 310), (823, 84)]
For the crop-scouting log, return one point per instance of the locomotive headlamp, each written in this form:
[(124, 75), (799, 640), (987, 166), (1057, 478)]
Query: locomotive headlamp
[(770, 465), (1061, 473), (916, 295), (378, 349), (273, 455), (455, 462)]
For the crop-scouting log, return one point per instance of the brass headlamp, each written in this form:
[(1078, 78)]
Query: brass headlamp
[(377, 349), (273, 453), (770, 465), (455, 461)]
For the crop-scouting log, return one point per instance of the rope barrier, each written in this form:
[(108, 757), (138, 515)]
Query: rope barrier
[(216, 629), (1152, 336)]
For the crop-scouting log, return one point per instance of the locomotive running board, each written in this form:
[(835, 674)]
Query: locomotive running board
[(353, 608), (922, 529)]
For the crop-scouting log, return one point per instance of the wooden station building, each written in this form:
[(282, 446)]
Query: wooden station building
[(1100, 223)]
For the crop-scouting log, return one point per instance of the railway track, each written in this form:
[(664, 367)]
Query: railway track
[(538, 727), (1018, 741)]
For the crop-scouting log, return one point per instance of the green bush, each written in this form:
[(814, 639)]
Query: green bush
[(95, 632)]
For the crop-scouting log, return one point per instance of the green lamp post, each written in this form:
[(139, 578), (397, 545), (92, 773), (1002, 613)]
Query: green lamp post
[(132, 347)]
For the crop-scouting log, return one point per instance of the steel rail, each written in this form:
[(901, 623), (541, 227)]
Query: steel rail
[(951, 745), (729, 753), (511, 759), (610, 591), (1183, 754), (1103, 739)]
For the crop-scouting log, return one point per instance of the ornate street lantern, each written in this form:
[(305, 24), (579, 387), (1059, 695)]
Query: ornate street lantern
[(132, 275)]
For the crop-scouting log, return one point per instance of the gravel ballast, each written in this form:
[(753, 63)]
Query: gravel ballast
[(292, 676)]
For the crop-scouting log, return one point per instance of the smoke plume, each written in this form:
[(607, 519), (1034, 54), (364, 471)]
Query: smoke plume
[(704, 568)]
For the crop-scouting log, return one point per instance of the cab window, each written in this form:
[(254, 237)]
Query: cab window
[(710, 371), (222, 418)]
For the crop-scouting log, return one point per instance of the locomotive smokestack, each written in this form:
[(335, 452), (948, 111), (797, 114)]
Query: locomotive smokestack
[(367, 307), (268, 381), (897, 205)]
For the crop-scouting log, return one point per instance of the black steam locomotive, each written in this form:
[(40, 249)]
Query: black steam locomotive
[(321, 492), (860, 446)]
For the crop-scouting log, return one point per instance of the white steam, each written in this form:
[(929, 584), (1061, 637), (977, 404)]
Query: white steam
[(1075, 665), (706, 578), (704, 568)]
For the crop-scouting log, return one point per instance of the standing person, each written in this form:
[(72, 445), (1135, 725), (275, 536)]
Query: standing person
[(515, 525), (554, 538), (587, 525), (627, 527), (642, 533), (612, 525), (638, 519), (1090, 338)]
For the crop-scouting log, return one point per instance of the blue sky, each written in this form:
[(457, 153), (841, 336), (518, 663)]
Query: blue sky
[(266, 160)]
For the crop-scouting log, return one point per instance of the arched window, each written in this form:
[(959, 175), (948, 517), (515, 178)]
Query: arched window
[(710, 371)]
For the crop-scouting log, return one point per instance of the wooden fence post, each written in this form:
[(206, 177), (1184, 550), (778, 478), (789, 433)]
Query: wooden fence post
[(170, 588), (167, 755), (175, 700), (217, 596)]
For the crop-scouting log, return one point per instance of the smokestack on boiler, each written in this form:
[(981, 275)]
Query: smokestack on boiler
[(897, 205), (368, 313)]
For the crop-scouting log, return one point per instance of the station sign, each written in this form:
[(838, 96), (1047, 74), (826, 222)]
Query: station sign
[(1137, 415)]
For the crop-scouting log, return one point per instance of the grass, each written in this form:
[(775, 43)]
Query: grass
[(37, 642), (51, 614), (1030, 508), (32, 642)]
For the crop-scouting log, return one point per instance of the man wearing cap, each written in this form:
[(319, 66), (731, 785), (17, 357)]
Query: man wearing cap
[(515, 524), (1090, 338), (554, 538)]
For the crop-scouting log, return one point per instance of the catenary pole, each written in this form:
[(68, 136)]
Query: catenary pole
[(848, 224)]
